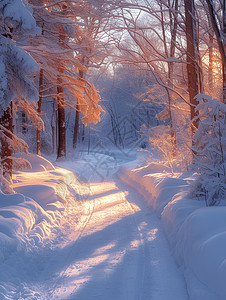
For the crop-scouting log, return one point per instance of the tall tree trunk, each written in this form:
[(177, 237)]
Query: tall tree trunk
[(199, 62), (192, 67), (210, 71), (6, 151), (23, 122), (224, 83), (61, 149), (173, 25), (53, 125), (38, 132), (220, 40), (76, 127)]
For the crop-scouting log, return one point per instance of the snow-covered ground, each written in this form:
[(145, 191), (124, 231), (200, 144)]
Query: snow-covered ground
[(89, 235), (196, 233)]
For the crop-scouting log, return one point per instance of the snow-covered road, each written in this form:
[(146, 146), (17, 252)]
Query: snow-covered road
[(114, 250)]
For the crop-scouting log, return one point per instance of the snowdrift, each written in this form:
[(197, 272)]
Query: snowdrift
[(197, 234), (42, 194)]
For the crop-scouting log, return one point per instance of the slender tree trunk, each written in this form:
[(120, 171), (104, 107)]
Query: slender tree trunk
[(6, 151), (224, 83), (192, 67), (53, 125), (53, 138), (199, 65), (173, 25), (61, 149), (83, 133), (76, 127), (23, 122), (210, 71), (38, 132)]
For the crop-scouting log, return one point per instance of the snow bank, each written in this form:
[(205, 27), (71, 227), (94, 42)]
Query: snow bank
[(18, 215), (201, 244), (156, 184), (43, 193), (38, 163), (196, 234)]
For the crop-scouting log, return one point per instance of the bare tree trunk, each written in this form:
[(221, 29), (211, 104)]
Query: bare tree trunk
[(23, 122), (210, 71), (173, 24), (83, 133), (38, 132), (224, 83), (53, 125), (220, 40), (7, 121), (199, 62), (76, 127), (61, 149), (39, 112), (192, 68)]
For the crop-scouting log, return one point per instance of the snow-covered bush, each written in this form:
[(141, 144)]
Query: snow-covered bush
[(209, 147), (161, 139)]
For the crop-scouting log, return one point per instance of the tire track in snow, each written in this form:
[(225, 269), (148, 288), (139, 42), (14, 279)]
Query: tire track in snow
[(78, 233), (105, 205), (162, 278), (139, 289)]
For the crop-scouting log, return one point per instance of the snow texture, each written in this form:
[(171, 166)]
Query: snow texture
[(17, 12), (84, 246), (55, 246), (196, 233), (16, 65)]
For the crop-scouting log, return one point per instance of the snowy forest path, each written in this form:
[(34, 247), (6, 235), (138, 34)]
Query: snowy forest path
[(114, 250)]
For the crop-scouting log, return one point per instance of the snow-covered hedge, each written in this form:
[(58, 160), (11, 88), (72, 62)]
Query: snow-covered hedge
[(196, 233)]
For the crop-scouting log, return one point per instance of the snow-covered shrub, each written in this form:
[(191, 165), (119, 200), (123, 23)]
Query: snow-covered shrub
[(161, 139), (209, 147)]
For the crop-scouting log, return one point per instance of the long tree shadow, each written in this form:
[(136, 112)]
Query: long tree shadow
[(101, 264), (118, 264)]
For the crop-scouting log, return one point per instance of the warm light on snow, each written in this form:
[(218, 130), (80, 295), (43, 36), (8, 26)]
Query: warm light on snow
[(151, 235), (97, 188), (103, 249), (103, 205), (108, 209), (127, 99), (85, 240)]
